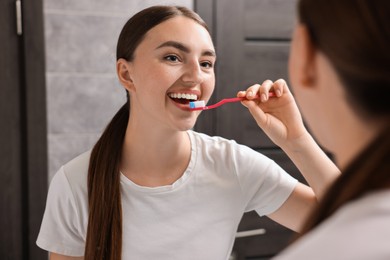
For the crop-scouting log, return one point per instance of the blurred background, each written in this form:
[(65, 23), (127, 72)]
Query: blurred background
[(59, 90)]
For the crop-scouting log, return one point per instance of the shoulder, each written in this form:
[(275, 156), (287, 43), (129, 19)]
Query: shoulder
[(76, 170), (365, 214), (65, 220), (225, 153), (78, 165), (201, 137), (218, 143), (71, 179), (229, 152), (349, 232)]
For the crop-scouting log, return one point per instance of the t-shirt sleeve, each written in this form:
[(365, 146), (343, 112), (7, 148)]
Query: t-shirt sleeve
[(265, 185), (60, 228)]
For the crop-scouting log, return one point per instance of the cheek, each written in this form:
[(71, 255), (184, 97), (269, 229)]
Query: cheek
[(163, 77), (209, 87), (314, 115), (292, 69), (153, 80)]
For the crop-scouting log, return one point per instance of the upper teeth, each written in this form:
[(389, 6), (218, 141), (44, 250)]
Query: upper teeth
[(185, 96)]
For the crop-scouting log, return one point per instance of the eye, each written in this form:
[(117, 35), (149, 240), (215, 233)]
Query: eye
[(207, 64), (172, 58)]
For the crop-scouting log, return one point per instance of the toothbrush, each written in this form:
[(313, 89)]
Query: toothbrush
[(201, 105)]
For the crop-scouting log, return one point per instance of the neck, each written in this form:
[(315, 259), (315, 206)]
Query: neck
[(154, 157), (355, 138)]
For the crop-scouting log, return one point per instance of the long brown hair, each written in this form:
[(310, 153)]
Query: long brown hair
[(104, 234), (355, 36)]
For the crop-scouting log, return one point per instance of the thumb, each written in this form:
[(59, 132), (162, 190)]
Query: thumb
[(257, 113)]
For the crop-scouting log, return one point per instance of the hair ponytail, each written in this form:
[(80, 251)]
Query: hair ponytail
[(104, 235)]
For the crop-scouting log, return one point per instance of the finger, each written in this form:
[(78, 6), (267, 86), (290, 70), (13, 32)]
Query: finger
[(241, 93), (264, 89), (252, 91), (257, 113), (280, 87)]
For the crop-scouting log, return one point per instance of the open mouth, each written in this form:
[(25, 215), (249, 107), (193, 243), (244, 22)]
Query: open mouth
[(183, 98)]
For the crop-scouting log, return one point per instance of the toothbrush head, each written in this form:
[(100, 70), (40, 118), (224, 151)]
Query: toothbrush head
[(197, 104)]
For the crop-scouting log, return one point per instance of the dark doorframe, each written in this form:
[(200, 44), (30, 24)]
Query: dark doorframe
[(23, 149), (36, 125)]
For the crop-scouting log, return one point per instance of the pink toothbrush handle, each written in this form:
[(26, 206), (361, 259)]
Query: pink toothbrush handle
[(229, 100)]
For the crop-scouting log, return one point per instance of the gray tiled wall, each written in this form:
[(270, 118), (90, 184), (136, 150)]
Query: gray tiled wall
[(82, 90)]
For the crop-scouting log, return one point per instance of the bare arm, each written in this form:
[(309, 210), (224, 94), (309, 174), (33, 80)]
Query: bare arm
[(318, 170), (281, 120), (54, 256)]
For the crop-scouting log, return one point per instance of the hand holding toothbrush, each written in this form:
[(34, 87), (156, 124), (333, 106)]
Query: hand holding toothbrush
[(278, 117)]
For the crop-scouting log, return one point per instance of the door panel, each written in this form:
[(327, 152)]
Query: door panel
[(258, 61), (268, 19), (252, 41)]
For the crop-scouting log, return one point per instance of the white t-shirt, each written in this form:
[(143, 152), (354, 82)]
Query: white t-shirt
[(194, 218), (360, 230)]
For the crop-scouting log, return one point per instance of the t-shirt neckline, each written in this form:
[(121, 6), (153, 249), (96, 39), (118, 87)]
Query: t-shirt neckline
[(174, 186)]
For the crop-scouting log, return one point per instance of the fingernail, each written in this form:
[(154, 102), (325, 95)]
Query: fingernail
[(250, 94), (278, 93), (263, 97)]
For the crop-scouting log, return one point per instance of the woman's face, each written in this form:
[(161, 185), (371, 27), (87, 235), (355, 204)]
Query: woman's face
[(172, 66)]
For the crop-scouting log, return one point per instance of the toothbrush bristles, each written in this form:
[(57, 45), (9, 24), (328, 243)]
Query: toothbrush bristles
[(196, 104)]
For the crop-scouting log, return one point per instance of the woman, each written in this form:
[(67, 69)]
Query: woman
[(153, 189), (339, 68)]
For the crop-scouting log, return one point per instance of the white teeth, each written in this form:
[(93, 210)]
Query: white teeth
[(184, 96)]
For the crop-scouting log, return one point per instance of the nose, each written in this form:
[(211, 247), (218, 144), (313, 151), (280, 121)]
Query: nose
[(193, 73)]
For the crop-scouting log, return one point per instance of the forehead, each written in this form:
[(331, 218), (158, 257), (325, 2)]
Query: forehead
[(181, 29)]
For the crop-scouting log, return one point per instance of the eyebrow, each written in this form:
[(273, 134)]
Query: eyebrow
[(184, 48)]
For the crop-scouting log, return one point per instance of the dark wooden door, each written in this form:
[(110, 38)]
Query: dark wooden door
[(23, 163), (252, 39)]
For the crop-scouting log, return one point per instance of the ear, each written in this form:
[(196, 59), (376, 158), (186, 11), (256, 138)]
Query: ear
[(303, 65), (124, 72)]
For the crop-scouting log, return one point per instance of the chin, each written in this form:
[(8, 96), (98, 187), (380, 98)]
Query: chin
[(185, 127), (185, 123)]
